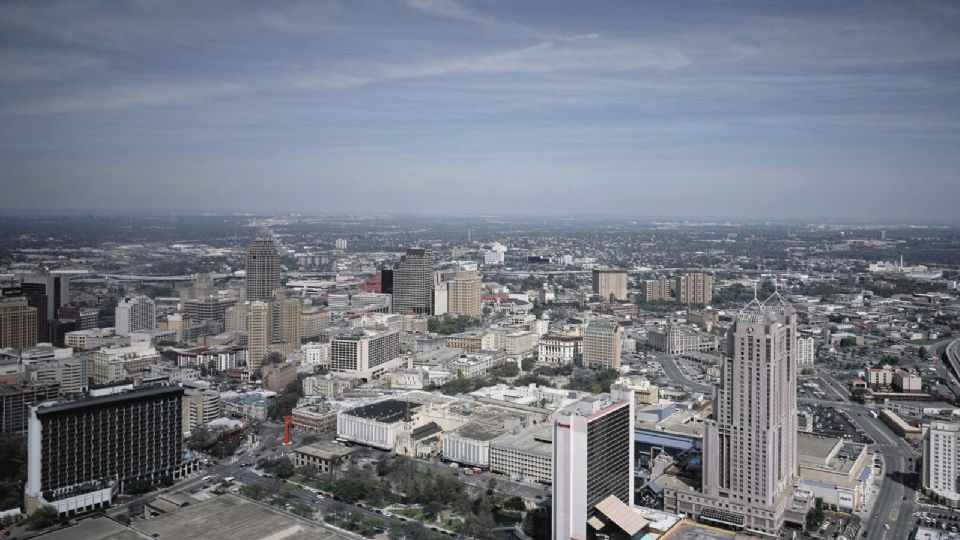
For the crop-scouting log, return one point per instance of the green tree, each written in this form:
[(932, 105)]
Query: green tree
[(43, 517), (527, 364), (302, 510)]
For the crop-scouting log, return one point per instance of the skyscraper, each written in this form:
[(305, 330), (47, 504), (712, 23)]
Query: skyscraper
[(413, 282), (135, 314), (696, 288), (18, 323), (941, 460), (601, 345), (48, 294), (79, 453), (610, 284), (462, 293), (750, 442), (263, 269), (259, 334), (592, 459)]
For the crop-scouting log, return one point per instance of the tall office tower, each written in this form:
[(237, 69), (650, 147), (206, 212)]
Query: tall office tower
[(463, 293), (592, 460), (79, 453), (285, 314), (386, 281), (259, 334), (806, 352), (610, 284), (18, 323), (413, 282), (56, 288), (208, 308), (941, 460), (750, 441), (235, 318), (263, 269), (694, 288), (135, 314), (341, 243), (601, 345)]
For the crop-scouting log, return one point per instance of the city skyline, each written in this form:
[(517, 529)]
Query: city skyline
[(844, 110)]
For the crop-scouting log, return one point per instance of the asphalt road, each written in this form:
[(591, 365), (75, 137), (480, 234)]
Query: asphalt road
[(675, 374)]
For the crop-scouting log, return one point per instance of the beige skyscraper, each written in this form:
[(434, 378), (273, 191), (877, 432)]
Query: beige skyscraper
[(463, 293), (610, 284), (259, 334), (263, 269), (601, 345), (696, 288), (18, 323), (285, 323), (750, 442)]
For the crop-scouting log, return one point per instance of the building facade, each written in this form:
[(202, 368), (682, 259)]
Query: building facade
[(941, 461), (559, 349), (610, 284), (413, 282), (18, 323), (696, 288), (592, 459), (367, 355), (135, 314), (262, 269), (601, 345), (80, 452)]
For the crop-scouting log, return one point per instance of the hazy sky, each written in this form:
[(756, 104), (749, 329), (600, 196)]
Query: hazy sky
[(834, 109)]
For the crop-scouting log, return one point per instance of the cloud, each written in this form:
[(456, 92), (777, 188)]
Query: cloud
[(129, 95), (583, 53), (31, 65), (329, 80), (450, 9)]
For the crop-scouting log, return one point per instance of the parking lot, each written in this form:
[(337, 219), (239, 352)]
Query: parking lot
[(938, 518), (834, 423)]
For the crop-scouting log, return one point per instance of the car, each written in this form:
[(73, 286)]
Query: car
[(886, 526)]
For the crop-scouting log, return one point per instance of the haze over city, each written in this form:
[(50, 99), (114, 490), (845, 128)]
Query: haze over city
[(845, 110)]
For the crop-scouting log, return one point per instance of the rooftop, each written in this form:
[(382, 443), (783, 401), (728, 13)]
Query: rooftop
[(229, 517), (325, 450), (387, 411)]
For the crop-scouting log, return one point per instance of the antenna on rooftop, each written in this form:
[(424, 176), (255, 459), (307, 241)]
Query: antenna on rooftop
[(756, 284)]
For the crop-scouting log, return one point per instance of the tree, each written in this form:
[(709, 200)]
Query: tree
[(858, 394), (527, 364), (515, 503), (815, 515), (43, 517), (273, 358), (302, 510), (432, 509), (255, 491), (139, 487)]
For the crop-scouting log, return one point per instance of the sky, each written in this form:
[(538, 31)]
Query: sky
[(847, 110)]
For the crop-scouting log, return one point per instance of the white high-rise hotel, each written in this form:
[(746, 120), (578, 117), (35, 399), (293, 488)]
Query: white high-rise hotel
[(135, 314), (750, 442)]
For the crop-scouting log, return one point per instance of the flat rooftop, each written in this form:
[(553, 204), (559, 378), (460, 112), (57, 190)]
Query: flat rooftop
[(694, 531), (480, 432), (815, 447), (95, 528), (387, 411), (229, 517), (535, 440)]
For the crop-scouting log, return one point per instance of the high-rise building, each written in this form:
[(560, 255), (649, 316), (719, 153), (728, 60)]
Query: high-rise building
[(86, 318), (135, 314), (18, 322), (208, 308), (601, 345), (457, 292), (365, 355), (750, 441), (55, 288), (341, 244), (262, 269), (259, 334), (656, 290), (201, 287), (941, 461), (806, 352), (80, 453), (201, 404), (696, 288), (610, 284), (413, 282), (285, 315), (592, 460)]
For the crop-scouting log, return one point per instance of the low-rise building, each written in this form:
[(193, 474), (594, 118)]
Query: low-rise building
[(520, 343), (315, 419), (838, 471), (559, 349), (527, 454), (676, 339), (120, 363), (277, 376), (470, 444), (325, 456)]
